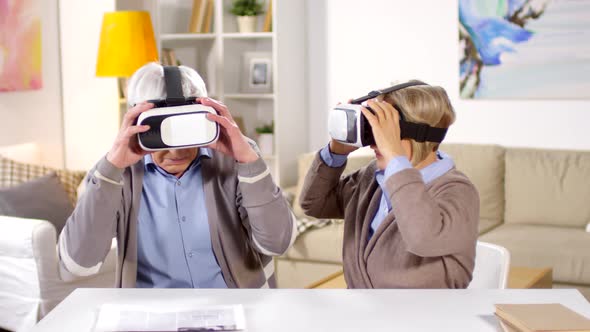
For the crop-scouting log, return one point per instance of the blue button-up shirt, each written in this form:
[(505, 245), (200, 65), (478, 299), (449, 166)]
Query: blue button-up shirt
[(443, 164), (174, 243)]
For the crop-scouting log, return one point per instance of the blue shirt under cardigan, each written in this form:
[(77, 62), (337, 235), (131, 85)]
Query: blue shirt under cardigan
[(443, 164), (173, 239)]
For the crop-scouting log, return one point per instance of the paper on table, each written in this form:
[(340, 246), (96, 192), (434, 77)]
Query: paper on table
[(117, 317)]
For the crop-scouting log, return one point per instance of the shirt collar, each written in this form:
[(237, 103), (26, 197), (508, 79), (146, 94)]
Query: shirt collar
[(443, 164), (150, 165)]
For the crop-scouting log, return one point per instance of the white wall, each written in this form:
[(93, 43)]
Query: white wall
[(90, 103), (35, 115), (355, 47)]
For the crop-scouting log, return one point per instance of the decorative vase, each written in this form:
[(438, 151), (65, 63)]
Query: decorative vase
[(247, 23), (265, 144)]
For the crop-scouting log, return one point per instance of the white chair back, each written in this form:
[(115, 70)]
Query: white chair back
[(492, 263)]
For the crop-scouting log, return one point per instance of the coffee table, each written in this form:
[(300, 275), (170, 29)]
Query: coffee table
[(382, 310), (518, 277), (528, 277)]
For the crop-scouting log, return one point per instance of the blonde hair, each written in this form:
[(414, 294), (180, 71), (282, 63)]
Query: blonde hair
[(148, 83), (423, 104)]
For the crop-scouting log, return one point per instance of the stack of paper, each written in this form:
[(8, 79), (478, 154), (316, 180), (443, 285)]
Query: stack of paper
[(115, 317), (540, 317)]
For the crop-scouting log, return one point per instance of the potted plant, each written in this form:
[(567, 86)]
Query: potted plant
[(266, 139), (247, 12)]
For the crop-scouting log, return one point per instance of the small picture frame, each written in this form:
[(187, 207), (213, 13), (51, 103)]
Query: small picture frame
[(256, 72)]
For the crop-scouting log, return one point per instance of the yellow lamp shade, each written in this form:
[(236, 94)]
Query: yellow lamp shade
[(126, 43)]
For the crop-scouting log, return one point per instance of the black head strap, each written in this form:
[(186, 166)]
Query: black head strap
[(420, 132), (173, 82)]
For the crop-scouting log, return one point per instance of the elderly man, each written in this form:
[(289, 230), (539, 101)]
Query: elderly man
[(208, 217)]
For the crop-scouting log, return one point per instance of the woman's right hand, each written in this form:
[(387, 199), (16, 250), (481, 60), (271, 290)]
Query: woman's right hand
[(340, 148), (126, 150)]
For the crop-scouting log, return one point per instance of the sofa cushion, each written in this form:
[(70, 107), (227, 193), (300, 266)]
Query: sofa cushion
[(319, 245), (355, 161), (547, 187), (486, 225), (484, 165), (13, 173), (43, 198), (566, 250)]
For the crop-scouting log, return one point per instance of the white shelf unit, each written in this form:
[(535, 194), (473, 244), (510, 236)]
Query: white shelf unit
[(253, 35), (186, 36), (249, 96), (218, 56)]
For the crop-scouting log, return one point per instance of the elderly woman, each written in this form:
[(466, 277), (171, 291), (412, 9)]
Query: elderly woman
[(410, 217), (206, 217)]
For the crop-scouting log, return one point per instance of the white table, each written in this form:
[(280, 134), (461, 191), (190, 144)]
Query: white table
[(324, 309)]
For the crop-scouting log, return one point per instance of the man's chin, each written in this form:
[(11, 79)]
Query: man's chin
[(174, 169)]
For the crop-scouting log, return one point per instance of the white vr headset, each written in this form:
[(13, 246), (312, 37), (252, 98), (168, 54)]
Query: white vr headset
[(348, 125), (176, 122)]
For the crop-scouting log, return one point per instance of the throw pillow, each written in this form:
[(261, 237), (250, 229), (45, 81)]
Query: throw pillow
[(43, 198), (13, 173)]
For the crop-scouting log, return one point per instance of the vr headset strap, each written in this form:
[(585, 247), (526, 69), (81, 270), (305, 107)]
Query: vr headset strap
[(421, 132), (376, 93), (173, 81)]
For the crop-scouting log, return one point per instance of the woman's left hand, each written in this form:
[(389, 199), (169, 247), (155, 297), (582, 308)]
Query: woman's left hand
[(231, 141), (385, 126)]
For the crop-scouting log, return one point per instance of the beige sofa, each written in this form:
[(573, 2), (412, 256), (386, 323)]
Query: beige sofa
[(536, 203)]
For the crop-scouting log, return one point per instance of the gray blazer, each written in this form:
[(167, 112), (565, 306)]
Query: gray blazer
[(249, 222)]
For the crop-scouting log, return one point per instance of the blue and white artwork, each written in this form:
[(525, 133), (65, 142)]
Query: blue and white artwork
[(524, 49)]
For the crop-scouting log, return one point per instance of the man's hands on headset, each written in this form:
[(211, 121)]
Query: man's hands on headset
[(231, 141), (126, 150)]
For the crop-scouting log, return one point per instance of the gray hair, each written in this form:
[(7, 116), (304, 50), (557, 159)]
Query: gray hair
[(148, 83)]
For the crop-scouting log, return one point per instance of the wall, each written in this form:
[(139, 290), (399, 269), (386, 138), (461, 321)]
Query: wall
[(35, 115), (77, 130), (90, 103), (357, 48)]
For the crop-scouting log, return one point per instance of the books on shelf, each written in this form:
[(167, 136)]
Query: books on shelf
[(208, 22), (201, 16), (540, 317), (168, 57), (267, 27)]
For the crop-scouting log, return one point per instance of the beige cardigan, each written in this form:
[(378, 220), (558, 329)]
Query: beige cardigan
[(427, 240)]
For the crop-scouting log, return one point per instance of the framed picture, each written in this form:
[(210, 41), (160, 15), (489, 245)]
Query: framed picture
[(524, 49), (256, 72), (20, 45)]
